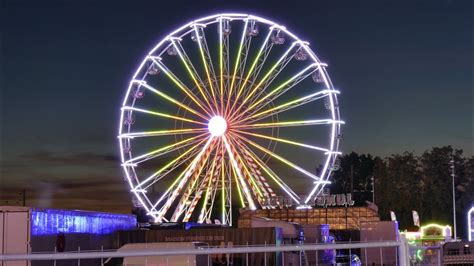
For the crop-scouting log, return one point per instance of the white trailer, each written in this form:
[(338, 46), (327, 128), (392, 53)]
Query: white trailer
[(14, 233), (176, 260)]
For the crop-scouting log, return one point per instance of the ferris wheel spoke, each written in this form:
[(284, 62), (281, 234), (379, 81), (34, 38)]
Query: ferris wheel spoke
[(181, 85), (240, 64), (264, 49), (278, 63), (169, 170), (284, 141), (206, 61), (184, 179), (169, 132), (261, 188), (170, 99), (289, 124), (176, 42), (260, 102), (240, 177), (250, 24), (223, 62), (289, 105), (163, 150), (270, 173), (130, 108), (169, 164), (274, 74), (280, 158), (255, 74)]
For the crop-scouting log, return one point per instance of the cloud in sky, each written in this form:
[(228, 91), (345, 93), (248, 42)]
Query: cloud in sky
[(82, 180)]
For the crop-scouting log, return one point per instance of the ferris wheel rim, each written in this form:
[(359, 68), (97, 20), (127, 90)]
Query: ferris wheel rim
[(187, 28)]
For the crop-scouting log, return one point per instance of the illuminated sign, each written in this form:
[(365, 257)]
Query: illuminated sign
[(325, 200), (334, 200), (435, 230)]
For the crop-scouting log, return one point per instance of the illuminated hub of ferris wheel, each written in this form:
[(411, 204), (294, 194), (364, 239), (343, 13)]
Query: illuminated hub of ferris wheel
[(203, 116)]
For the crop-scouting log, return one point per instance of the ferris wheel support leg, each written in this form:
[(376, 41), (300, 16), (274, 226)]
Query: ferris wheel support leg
[(184, 179), (166, 166), (271, 174), (208, 175), (210, 191), (259, 190), (239, 174)]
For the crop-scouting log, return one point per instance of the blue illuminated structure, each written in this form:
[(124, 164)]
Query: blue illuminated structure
[(54, 221)]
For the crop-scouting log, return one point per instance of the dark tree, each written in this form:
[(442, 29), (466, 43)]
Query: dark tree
[(405, 182), (398, 186), (437, 183), (354, 175)]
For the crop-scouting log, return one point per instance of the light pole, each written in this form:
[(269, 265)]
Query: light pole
[(454, 194), (373, 188)]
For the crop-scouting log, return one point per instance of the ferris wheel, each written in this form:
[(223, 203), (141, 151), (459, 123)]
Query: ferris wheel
[(228, 109)]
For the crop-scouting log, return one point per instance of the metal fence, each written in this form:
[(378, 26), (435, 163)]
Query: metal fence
[(370, 253)]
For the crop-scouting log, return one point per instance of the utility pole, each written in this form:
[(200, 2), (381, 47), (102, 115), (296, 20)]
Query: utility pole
[(23, 193), (454, 194)]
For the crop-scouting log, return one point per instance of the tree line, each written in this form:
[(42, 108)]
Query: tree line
[(406, 182)]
